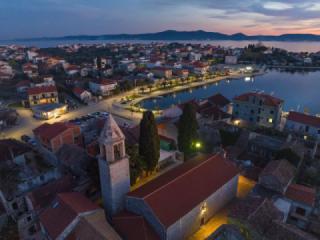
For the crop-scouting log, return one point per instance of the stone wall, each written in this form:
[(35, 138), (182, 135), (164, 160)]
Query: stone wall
[(115, 184)]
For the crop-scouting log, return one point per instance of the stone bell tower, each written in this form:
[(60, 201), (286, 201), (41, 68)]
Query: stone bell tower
[(113, 168)]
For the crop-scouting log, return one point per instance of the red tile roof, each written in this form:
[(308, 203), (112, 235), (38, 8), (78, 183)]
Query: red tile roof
[(78, 91), (199, 64), (304, 119), (131, 227), (43, 196), (43, 89), (67, 207), (219, 100), (161, 69), (267, 99), (185, 187), (301, 194), (243, 208), (104, 81), (49, 131), (282, 170), (10, 148), (24, 83)]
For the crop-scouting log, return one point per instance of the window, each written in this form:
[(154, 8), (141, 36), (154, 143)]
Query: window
[(300, 211), (307, 128), (318, 131), (271, 112), (252, 111), (270, 120), (260, 102), (14, 206), (117, 151)]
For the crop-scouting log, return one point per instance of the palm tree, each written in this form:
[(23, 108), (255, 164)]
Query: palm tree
[(150, 87)]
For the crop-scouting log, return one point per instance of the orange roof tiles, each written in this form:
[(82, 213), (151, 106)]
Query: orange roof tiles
[(68, 206), (301, 194), (185, 187), (267, 99), (49, 131), (304, 119), (43, 89)]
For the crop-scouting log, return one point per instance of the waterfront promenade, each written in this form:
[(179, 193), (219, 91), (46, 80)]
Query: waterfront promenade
[(122, 112)]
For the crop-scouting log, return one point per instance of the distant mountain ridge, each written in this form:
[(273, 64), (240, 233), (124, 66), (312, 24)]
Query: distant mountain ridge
[(171, 35)]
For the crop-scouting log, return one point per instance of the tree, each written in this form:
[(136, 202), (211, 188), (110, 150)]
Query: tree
[(136, 164), (93, 173), (9, 178), (149, 142), (289, 155), (187, 130), (99, 63)]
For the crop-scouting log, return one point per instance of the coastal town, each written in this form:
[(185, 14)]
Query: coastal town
[(93, 147)]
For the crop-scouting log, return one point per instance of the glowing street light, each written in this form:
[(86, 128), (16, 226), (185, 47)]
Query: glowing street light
[(198, 145)]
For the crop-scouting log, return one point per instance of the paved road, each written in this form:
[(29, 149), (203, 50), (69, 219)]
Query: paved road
[(27, 123)]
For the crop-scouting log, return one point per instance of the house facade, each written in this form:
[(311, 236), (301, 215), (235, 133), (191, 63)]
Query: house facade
[(303, 124), (82, 94), (162, 72), (258, 108), (42, 95), (53, 136), (102, 87)]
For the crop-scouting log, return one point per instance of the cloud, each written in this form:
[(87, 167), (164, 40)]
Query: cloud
[(278, 6), (65, 17)]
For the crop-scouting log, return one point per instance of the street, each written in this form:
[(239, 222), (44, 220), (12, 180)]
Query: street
[(27, 122), (123, 116)]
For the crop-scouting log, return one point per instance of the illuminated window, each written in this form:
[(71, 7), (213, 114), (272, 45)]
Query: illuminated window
[(270, 120)]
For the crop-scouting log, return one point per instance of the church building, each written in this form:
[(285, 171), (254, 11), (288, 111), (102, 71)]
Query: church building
[(172, 206)]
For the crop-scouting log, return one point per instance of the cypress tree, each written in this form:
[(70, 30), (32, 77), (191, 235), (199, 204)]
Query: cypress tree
[(149, 142), (187, 130)]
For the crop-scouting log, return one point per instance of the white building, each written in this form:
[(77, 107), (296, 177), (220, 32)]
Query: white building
[(82, 94), (102, 87), (231, 60), (304, 124), (258, 108), (195, 56), (163, 205)]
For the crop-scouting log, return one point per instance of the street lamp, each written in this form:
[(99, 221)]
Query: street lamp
[(198, 145)]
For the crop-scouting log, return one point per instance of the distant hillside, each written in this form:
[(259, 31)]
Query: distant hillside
[(171, 35)]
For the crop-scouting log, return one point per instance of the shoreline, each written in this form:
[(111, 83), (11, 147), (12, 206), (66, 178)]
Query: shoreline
[(132, 104)]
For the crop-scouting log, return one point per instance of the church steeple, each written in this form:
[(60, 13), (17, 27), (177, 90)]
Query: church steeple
[(113, 167), (112, 147)]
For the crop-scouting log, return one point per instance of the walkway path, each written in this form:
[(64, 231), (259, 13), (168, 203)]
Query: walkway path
[(120, 111)]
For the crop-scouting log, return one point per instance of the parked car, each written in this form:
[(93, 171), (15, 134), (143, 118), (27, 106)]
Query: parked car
[(25, 138)]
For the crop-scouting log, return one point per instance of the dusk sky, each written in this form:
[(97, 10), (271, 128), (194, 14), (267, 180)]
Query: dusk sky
[(37, 18)]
